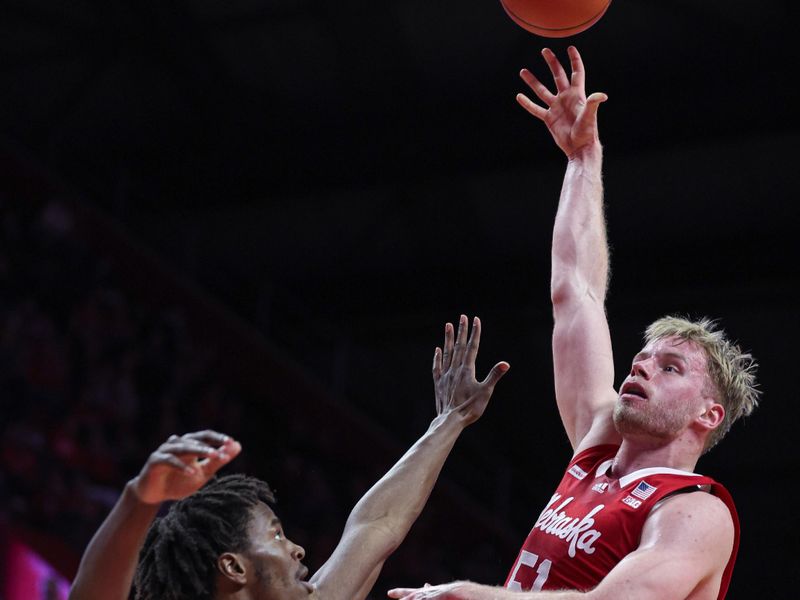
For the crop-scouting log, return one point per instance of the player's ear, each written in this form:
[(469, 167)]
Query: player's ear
[(712, 416), (232, 569)]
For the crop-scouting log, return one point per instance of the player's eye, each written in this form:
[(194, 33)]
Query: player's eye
[(279, 535)]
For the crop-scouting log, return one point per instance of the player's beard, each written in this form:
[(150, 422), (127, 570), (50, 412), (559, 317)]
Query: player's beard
[(647, 420)]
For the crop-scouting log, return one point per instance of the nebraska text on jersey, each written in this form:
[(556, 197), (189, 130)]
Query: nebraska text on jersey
[(577, 532)]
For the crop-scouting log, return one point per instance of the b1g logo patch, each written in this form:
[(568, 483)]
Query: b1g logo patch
[(631, 501)]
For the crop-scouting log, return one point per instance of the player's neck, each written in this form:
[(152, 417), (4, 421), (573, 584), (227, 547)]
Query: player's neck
[(634, 455)]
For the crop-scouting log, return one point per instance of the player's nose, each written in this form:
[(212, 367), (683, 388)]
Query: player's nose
[(640, 368)]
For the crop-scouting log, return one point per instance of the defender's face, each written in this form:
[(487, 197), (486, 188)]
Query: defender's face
[(275, 560), (665, 389)]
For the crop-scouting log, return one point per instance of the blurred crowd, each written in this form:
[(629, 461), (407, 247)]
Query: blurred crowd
[(91, 381)]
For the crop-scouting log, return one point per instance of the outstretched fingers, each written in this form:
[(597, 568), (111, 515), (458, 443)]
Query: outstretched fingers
[(559, 75), (576, 64), (447, 355), (461, 341), (473, 343), (595, 100), (533, 108), (437, 374), (436, 369), (496, 374), (537, 86)]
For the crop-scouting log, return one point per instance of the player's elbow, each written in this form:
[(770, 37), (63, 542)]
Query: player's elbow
[(565, 290)]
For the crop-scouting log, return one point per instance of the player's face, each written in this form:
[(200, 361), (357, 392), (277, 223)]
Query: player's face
[(278, 572), (665, 390)]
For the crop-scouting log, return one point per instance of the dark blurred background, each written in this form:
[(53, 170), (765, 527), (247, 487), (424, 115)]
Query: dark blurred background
[(257, 216)]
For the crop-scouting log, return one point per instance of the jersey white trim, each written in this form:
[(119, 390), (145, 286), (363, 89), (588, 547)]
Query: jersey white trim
[(631, 477), (603, 468)]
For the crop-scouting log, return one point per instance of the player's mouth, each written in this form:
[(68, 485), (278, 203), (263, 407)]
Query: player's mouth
[(633, 389)]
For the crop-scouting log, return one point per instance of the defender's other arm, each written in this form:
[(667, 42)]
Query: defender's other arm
[(382, 518), (178, 468), (582, 356)]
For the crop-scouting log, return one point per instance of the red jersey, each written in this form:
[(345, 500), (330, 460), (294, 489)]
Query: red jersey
[(592, 522)]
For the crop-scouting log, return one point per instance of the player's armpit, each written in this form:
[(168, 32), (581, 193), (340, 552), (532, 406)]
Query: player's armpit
[(686, 544)]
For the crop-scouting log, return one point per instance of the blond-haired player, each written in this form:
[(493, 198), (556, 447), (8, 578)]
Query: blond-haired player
[(630, 518)]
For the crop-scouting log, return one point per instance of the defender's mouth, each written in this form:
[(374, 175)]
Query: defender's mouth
[(302, 574)]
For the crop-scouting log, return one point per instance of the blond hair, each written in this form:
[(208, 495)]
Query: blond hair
[(732, 371)]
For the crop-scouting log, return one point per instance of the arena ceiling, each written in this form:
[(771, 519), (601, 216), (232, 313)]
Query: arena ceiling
[(209, 102)]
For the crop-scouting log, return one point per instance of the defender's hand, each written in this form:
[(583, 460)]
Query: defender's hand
[(454, 373), (182, 465)]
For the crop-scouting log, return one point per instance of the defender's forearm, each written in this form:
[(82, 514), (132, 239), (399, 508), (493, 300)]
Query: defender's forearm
[(397, 499), (109, 562)]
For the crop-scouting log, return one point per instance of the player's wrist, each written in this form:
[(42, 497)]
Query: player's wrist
[(586, 153)]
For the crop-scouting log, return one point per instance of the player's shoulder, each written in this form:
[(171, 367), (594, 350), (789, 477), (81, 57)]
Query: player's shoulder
[(694, 514)]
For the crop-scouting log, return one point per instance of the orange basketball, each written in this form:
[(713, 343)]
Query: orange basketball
[(555, 18)]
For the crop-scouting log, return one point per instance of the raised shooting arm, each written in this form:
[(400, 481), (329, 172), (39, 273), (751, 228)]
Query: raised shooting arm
[(582, 356)]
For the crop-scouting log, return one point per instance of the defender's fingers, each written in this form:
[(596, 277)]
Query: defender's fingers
[(559, 75), (461, 341), (533, 108), (218, 460), (474, 342), (537, 86), (164, 458), (437, 363), (496, 374), (209, 436), (183, 447), (447, 354), (578, 77)]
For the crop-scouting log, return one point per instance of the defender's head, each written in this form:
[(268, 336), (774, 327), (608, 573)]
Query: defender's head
[(222, 539)]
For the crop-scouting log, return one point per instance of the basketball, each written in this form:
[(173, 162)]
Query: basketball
[(555, 18)]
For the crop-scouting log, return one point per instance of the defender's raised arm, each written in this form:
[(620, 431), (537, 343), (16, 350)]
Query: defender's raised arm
[(383, 517)]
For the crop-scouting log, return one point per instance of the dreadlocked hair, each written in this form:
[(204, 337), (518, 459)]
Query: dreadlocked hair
[(177, 561)]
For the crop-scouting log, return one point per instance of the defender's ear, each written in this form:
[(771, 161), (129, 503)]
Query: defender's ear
[(232, 568)]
